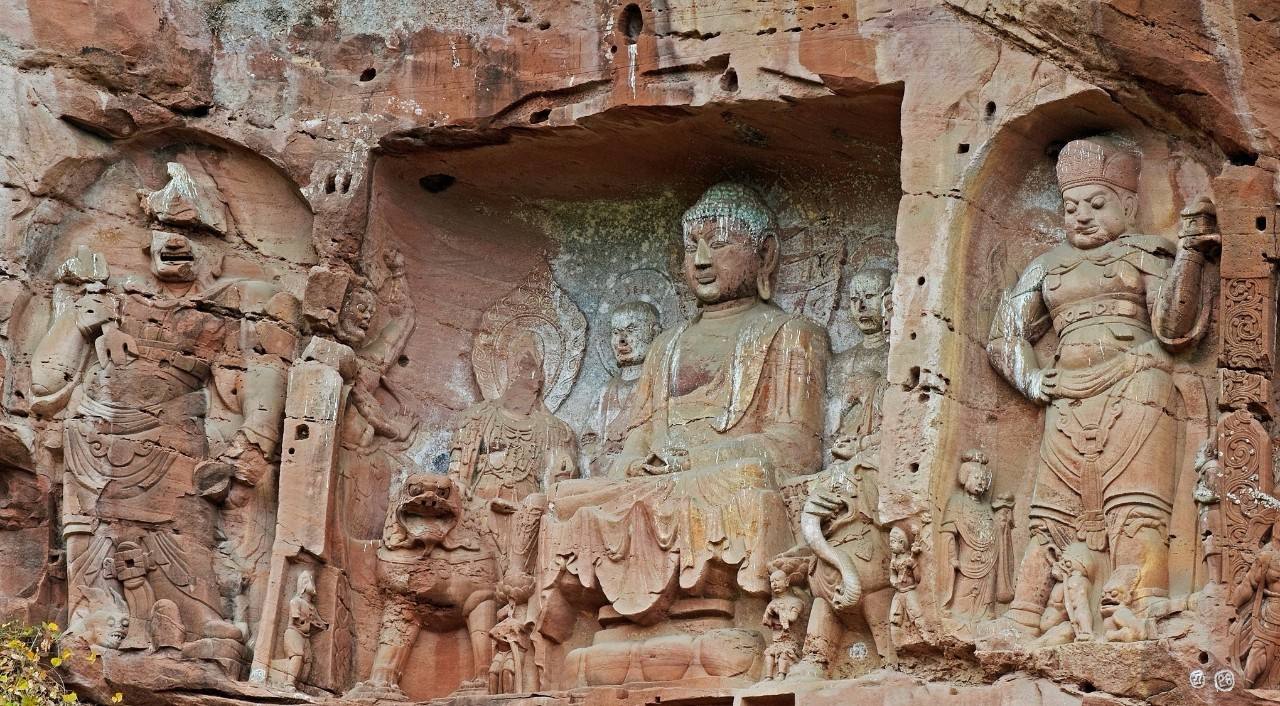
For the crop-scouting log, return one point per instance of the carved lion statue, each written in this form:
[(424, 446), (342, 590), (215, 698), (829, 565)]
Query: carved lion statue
[(437, 571)]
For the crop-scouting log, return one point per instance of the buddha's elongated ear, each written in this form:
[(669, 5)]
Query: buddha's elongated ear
[(768, 267)]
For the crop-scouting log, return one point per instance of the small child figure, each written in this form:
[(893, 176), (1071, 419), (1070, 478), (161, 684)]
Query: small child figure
[(779, 616), (511, 636), (510, 644), (1068, 613), (905, 608), (1076, 598)]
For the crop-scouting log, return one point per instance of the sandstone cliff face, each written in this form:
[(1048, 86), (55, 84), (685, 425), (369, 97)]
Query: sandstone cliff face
[(485, 141)]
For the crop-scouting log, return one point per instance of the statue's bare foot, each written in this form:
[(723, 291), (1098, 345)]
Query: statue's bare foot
[(371, 691), (1002, 634), (807, 670), (472, 686)]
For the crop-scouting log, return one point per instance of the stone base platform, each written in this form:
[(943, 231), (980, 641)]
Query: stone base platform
[(881, 688), (1155, 673), (877, 689)]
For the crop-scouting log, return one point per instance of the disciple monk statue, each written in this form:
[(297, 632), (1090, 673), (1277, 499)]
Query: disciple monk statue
[(633, 326), (1120, 303), (858, 375), (728, 404)]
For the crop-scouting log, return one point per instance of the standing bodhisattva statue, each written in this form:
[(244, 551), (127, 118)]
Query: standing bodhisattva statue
[(1120, 304)]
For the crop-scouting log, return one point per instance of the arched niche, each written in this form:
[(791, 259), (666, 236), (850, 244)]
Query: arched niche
[(475, 218), (95, 203), (1013, 214)]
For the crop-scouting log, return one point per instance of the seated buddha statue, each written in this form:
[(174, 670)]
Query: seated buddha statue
[(728, 405)]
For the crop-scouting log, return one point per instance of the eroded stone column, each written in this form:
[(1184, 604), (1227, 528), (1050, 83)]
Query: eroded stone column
[(316, 398)]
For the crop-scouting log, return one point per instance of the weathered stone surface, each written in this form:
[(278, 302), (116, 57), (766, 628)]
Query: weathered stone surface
[(409, 349)]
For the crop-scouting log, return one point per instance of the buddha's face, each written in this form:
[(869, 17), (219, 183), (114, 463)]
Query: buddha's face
[(978, 479), (173, 257), (867, 291), (632, 330), (721, 262), (1096, 214)]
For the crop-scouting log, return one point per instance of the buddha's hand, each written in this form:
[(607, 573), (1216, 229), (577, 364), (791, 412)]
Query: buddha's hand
[(653, 465), (1043, 385)]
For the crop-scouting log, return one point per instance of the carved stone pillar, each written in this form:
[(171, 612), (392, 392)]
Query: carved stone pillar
[(1246, 207), (314, 403)]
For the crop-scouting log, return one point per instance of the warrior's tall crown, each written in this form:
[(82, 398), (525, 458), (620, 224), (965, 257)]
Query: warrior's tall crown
[(1096, 162)]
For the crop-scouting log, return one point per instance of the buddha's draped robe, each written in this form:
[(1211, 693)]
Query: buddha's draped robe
[(741, 391)]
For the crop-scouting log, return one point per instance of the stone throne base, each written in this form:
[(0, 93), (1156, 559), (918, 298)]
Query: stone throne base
[(1084, 674), (698, 641), (881, 688)]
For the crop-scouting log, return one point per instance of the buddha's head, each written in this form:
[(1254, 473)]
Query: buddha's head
[(1099, 182), (867, 291), (633, 326), (730, 245)]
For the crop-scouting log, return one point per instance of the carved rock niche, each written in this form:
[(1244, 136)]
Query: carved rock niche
[(1012, 213), (191, 253), (597, 208)]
